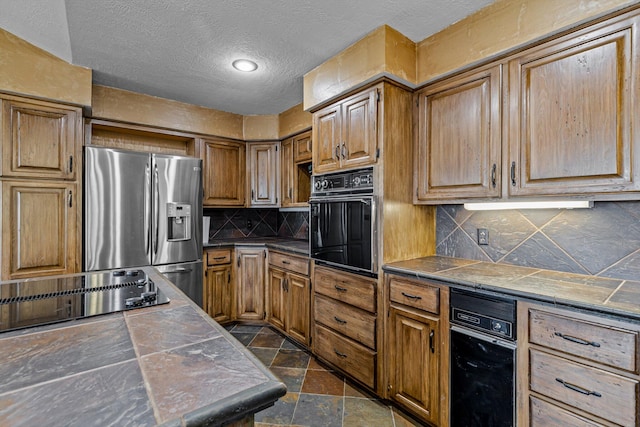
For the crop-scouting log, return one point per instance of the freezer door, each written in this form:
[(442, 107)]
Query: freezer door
[(187, 277), (117, 208), (177, 209)]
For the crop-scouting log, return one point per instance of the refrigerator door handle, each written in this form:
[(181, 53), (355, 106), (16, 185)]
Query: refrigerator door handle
[(177, 271), (156, 208), (147, 203)]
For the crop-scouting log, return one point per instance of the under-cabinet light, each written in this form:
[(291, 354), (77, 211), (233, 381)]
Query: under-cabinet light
[(553, 204)]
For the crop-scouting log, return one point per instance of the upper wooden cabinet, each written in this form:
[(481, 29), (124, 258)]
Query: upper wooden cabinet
[(345, 133), (459, 144), (223, 172), (40, 139), (572, 116), (295, 168), (263, 174), (568, 126)]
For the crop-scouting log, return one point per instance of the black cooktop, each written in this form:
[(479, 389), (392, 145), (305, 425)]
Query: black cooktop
[(40, 301)]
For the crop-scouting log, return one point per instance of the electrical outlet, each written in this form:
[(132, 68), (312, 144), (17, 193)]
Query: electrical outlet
[(483, 236), (249, 224)]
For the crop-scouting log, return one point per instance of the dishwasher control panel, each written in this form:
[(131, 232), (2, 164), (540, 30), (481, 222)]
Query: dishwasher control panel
[(486, 313)]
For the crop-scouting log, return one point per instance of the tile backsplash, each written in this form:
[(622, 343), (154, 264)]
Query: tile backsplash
[(602, 241), (241, 223)]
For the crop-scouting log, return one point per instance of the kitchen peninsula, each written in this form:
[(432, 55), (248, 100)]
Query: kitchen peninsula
[(165, 365)]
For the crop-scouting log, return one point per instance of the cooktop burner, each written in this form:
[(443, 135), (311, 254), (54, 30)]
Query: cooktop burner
[(44, 300)]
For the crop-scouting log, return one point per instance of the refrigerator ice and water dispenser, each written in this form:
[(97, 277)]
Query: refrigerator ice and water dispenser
[(178, 221)]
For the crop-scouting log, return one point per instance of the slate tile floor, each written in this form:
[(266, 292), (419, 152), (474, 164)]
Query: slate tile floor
[(316, 395)]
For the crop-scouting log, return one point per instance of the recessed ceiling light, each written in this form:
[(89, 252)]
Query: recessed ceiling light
[(244, 65)]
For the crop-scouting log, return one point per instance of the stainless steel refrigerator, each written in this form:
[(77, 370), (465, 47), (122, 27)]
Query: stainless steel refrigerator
[(144, 209)]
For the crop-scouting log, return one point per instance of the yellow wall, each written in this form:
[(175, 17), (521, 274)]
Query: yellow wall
[(500, 27), (260, 128), (294, 120), (28, 70)]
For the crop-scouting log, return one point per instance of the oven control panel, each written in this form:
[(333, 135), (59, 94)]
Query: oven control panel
[(343, 182)]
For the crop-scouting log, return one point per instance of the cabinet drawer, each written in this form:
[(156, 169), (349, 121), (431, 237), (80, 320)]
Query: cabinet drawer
[(354, 290), (422, 297), (604, 344), (349, 321), (218, 256), (544, 414), (290, 262), (592, 390), (347, 355)]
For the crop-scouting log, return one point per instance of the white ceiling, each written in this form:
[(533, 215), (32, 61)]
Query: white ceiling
[(183, 49)]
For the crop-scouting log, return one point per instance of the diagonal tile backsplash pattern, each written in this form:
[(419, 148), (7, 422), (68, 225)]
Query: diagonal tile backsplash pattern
[(242, 223), (602, 241)]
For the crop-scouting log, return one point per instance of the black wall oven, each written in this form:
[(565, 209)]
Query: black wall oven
[(343, 220)]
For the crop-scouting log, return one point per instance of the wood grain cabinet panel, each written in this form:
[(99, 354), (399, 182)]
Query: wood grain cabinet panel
[(348, 320), (302, 147), (349, 288), (40, 139), (295, 163), (223, 173), (263, 174), (251, 266), (289, 295), (39, 223), (572, 114), (459, 137), (218, 285), (345, 133), (544, 414)]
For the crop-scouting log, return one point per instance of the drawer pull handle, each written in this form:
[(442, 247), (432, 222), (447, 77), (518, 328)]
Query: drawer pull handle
[(339, 354), (415, 297), (339, 320), (577, 388), (576, 340), (286, 262), (219, 258), (340, 288)]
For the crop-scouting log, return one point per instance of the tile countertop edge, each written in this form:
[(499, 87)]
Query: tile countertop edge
[(295, 246), (233, 408), (456, 282)]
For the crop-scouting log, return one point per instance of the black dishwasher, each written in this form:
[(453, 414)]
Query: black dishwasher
[(483, 356)]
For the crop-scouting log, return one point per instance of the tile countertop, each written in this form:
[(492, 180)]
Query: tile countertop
[(300, 247), (170, 364), (611, 296)]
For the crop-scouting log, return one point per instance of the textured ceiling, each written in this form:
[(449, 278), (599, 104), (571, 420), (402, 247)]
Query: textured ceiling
[(183, 49)]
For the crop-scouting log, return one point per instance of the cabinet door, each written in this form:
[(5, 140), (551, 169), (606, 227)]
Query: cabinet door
[(251, 266), (40, 139), (459, 137), (39, 229), (224, 173), (571, 114), (359, 137), (327, 139), (218, 293), (287, 172), (414, 363), (298, 290), (277, 298), (264, 183), (302, 147)]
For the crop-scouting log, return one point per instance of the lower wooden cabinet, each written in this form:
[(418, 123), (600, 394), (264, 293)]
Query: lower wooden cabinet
[(218, 285), (345, 323), (577, 369), (251, 267), (40, 227), (417, 342), (288, 295)]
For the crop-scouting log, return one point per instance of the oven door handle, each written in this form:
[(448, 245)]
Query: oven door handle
[(365, 200), (484, 337)]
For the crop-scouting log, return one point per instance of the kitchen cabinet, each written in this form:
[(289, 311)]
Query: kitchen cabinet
[(251, 268), (40, 140), (288, 295), (295, 167), (417, 343), (345, 133), (223, 172), (40, 227), (582, 368), (559, 122), (263, 174), (218, 285), (458, 151), (345, 323)]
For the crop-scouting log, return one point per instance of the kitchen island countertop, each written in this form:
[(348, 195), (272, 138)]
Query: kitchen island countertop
[(166, 365), (606, 295)]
